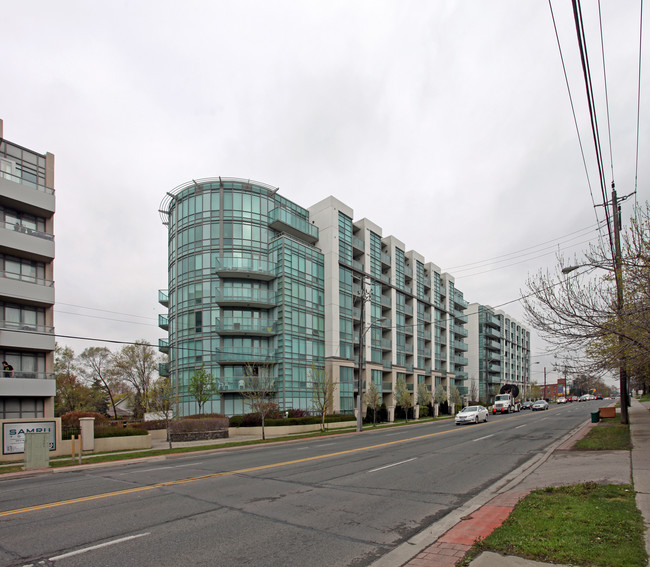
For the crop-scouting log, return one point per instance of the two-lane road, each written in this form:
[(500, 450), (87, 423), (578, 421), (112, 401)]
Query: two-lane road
[(340, 500)]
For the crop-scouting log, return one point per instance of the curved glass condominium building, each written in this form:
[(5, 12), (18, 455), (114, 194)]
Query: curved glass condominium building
[(245, 292)]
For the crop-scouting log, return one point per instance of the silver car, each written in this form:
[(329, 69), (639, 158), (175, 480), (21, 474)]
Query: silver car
[(540, 405), (472, 414)]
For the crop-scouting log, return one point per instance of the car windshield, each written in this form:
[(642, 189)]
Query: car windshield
[(469, 409)]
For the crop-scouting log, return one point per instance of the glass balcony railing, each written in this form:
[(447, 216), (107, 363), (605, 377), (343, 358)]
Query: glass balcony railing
[(245, 326), (27, 230), (163, 368), (233, 267), (27, 182), (163, 297), (163, 322), (17, 326), (245, 354), (32, 375), (163, 345), (27, 278), (358, 243), (245, 296), (287, 221)]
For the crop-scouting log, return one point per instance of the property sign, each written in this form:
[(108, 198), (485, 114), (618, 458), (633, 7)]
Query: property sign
[(13, 434)]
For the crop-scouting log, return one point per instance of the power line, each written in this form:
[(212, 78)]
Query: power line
[(517, 252), (573, 112)]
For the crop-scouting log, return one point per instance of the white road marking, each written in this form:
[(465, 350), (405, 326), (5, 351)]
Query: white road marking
[(524, 425), (481, 438), (85, 549), (393, 465)]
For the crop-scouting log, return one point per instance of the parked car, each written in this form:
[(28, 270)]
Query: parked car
[(540, 405), (472, 414), (561, 400), (527, 405)]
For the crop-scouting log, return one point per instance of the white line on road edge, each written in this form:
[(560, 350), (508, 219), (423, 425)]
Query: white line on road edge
[(393, 465), (524, 425), (85, 549), (485, 437)]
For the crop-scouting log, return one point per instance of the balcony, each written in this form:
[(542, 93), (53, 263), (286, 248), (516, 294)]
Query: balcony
[(245, 296), (386, 386), (387, 365), (29, 384), (32, 243), (27, 288), (163, 345), (163, 297), (243, 355), (461, 345), (385, 259), (358, 244), (426, 317), (16, 188), (251, 268), (26, 336), (245, 326), (460, 360), (285, 220), (163, 322), (163, 368), (386, 302)]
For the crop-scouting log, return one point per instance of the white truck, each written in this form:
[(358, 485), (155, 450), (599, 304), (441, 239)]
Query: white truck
[(506, 400)]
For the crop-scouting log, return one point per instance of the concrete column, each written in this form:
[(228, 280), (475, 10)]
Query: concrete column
[(87, 433)]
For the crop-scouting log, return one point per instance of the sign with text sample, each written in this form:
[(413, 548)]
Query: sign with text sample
[(13, 434)]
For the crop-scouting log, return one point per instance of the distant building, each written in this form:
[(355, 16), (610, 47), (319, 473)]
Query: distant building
[(258, 283), (27, 341), (499, 353)]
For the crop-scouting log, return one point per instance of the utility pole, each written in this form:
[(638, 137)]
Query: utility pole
[(545, 393), (619, 306), (363, 297)]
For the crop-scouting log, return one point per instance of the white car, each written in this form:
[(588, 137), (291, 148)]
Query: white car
[(540, 405), (561, 400), (472, 414)]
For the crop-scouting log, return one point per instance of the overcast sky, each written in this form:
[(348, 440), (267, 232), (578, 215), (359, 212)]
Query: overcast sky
[(447, 123)]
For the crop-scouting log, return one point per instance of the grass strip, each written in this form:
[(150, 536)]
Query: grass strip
[(608, 435), (584, 524)]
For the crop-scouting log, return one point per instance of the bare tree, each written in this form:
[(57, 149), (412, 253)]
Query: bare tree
[(137, 364), (322, 393), (96, 366), (605, 312), (259, 390), (162, 399), (373, 400), (403, 397)]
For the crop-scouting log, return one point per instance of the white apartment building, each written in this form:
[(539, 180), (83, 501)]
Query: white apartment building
[(27, 340), (499, 353)]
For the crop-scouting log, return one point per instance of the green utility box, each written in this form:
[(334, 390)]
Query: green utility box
[(595, 416)]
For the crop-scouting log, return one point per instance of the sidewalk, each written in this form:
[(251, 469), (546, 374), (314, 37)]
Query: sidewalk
[(446, 547)]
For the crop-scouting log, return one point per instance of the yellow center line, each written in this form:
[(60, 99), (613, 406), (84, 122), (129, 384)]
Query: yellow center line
[(209, 476)]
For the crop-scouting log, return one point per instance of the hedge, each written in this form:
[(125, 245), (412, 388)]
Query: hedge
[(116, 431), (192, 424), (255, 420)]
